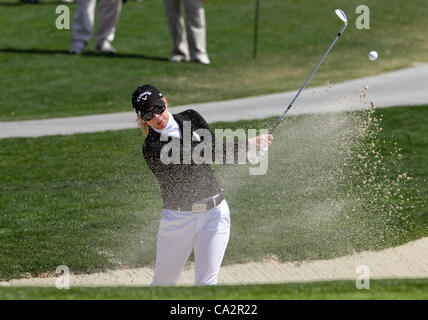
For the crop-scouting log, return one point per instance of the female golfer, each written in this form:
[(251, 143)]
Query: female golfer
[(196, 215)]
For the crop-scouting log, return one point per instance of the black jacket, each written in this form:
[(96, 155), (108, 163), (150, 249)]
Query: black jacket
[(183, 184)]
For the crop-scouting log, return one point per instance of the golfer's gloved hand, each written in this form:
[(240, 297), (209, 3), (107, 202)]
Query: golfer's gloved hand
[(257, 147)]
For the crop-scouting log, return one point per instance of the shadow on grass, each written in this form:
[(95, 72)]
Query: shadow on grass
[(41, 2), (86, 54)]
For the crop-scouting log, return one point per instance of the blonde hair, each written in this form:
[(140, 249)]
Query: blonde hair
[(143, 126)]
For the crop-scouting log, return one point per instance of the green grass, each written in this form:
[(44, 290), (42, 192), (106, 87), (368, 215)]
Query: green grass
[(402, 289), (89, 201), (40, 80)]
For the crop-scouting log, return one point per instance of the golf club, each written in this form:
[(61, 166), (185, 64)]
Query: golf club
[(342, 17)]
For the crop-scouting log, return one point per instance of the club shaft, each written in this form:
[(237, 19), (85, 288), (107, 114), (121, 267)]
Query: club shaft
[(307, 80)]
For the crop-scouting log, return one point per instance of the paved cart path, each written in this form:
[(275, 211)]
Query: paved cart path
[(398, 88)]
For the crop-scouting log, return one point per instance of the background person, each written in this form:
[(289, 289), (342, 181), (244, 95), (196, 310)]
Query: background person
[(196, 215), (83, 25), (189, 37)]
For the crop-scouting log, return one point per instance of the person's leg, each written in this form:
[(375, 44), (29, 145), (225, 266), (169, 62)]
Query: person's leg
[(108, 15), (83, 25), (196, 30), (174, 245), (210, 244), (180, 50)]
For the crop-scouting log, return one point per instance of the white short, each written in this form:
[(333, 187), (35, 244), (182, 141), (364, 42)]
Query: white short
[(181, 232)]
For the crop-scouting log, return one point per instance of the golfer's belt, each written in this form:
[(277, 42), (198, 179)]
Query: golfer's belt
[(203, 205)]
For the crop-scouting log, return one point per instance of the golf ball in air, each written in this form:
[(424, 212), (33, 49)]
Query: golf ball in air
[(373, 55)]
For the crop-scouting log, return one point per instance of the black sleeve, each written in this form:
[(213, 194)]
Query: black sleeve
[(237, 146)]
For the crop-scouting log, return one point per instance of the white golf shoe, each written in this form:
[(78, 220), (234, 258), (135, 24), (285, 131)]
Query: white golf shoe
[(178, 58), (105, 48), (202, 59)]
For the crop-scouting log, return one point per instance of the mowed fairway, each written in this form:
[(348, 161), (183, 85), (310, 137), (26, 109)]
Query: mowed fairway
[(89, 201), (40, 80), (337, 290)]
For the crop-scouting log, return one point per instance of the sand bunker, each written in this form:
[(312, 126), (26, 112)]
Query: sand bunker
[(406, 261)]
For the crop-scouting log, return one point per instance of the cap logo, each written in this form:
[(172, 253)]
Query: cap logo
[(143, 96)]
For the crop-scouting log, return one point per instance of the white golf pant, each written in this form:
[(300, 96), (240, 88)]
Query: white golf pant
[(83, 24), (180, 232)]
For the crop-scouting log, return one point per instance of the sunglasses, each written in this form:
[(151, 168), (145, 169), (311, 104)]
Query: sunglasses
[(148, 115)]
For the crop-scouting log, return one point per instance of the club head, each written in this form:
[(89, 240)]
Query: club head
[(342, 16)]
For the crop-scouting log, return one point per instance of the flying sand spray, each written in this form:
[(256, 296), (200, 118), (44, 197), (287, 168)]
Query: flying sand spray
[(330, 192)]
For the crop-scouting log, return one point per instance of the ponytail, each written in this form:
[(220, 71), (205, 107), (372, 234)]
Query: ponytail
[(143, 126)]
